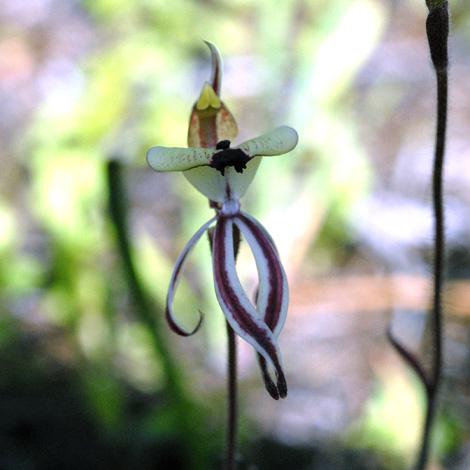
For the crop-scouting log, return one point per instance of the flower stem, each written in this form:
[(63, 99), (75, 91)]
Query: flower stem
[(439, 266), (232, 389), (437, 30), (232, 402)]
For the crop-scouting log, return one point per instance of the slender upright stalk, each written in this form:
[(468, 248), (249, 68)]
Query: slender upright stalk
[(145, 309), (437, 30), (147, 312), (433, 382), (232, 402)]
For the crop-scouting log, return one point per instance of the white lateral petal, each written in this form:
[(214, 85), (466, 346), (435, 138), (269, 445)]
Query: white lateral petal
[(178, 158), (276, 142)]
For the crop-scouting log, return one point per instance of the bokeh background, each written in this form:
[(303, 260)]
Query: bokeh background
[(90, 375)]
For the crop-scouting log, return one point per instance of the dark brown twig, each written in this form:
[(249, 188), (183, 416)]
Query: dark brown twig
[(232, 402), (437, 30)]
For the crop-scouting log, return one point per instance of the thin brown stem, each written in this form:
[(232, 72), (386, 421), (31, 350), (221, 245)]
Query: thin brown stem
[(232, 373), (433, 383), (437, 29), (232, 402)]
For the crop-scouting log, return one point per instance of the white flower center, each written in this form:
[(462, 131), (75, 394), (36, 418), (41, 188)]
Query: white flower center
[(230, 207)]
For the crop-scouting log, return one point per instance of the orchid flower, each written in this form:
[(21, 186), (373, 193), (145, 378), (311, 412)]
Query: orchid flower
[(223, 174)]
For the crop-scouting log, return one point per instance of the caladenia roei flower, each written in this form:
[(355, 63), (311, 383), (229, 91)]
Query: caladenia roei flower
[(223, 174)]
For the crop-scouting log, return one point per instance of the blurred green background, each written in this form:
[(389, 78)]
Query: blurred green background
[(91, 376)]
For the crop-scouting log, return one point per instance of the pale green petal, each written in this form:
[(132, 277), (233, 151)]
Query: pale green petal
[(178, 158), (207, 181), (239, 182), (218, 188), (276, 142)]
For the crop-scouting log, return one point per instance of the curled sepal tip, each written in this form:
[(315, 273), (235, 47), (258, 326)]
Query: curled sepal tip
[(269, 385), (276, 390), (179, 330), (175, 278), (216, 70)]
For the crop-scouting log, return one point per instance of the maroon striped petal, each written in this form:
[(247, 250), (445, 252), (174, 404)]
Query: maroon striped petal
[(273, 291), (175, 277), (239, 311)]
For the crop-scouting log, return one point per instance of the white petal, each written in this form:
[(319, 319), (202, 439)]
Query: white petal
[(219, 188), (178, 158)]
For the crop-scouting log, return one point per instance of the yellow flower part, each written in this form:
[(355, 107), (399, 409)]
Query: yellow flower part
[(207, 99)]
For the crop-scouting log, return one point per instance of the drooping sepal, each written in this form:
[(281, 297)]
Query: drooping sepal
[(175, 278)]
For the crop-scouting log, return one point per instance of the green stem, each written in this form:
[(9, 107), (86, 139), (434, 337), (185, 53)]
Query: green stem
[(148, 312)]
